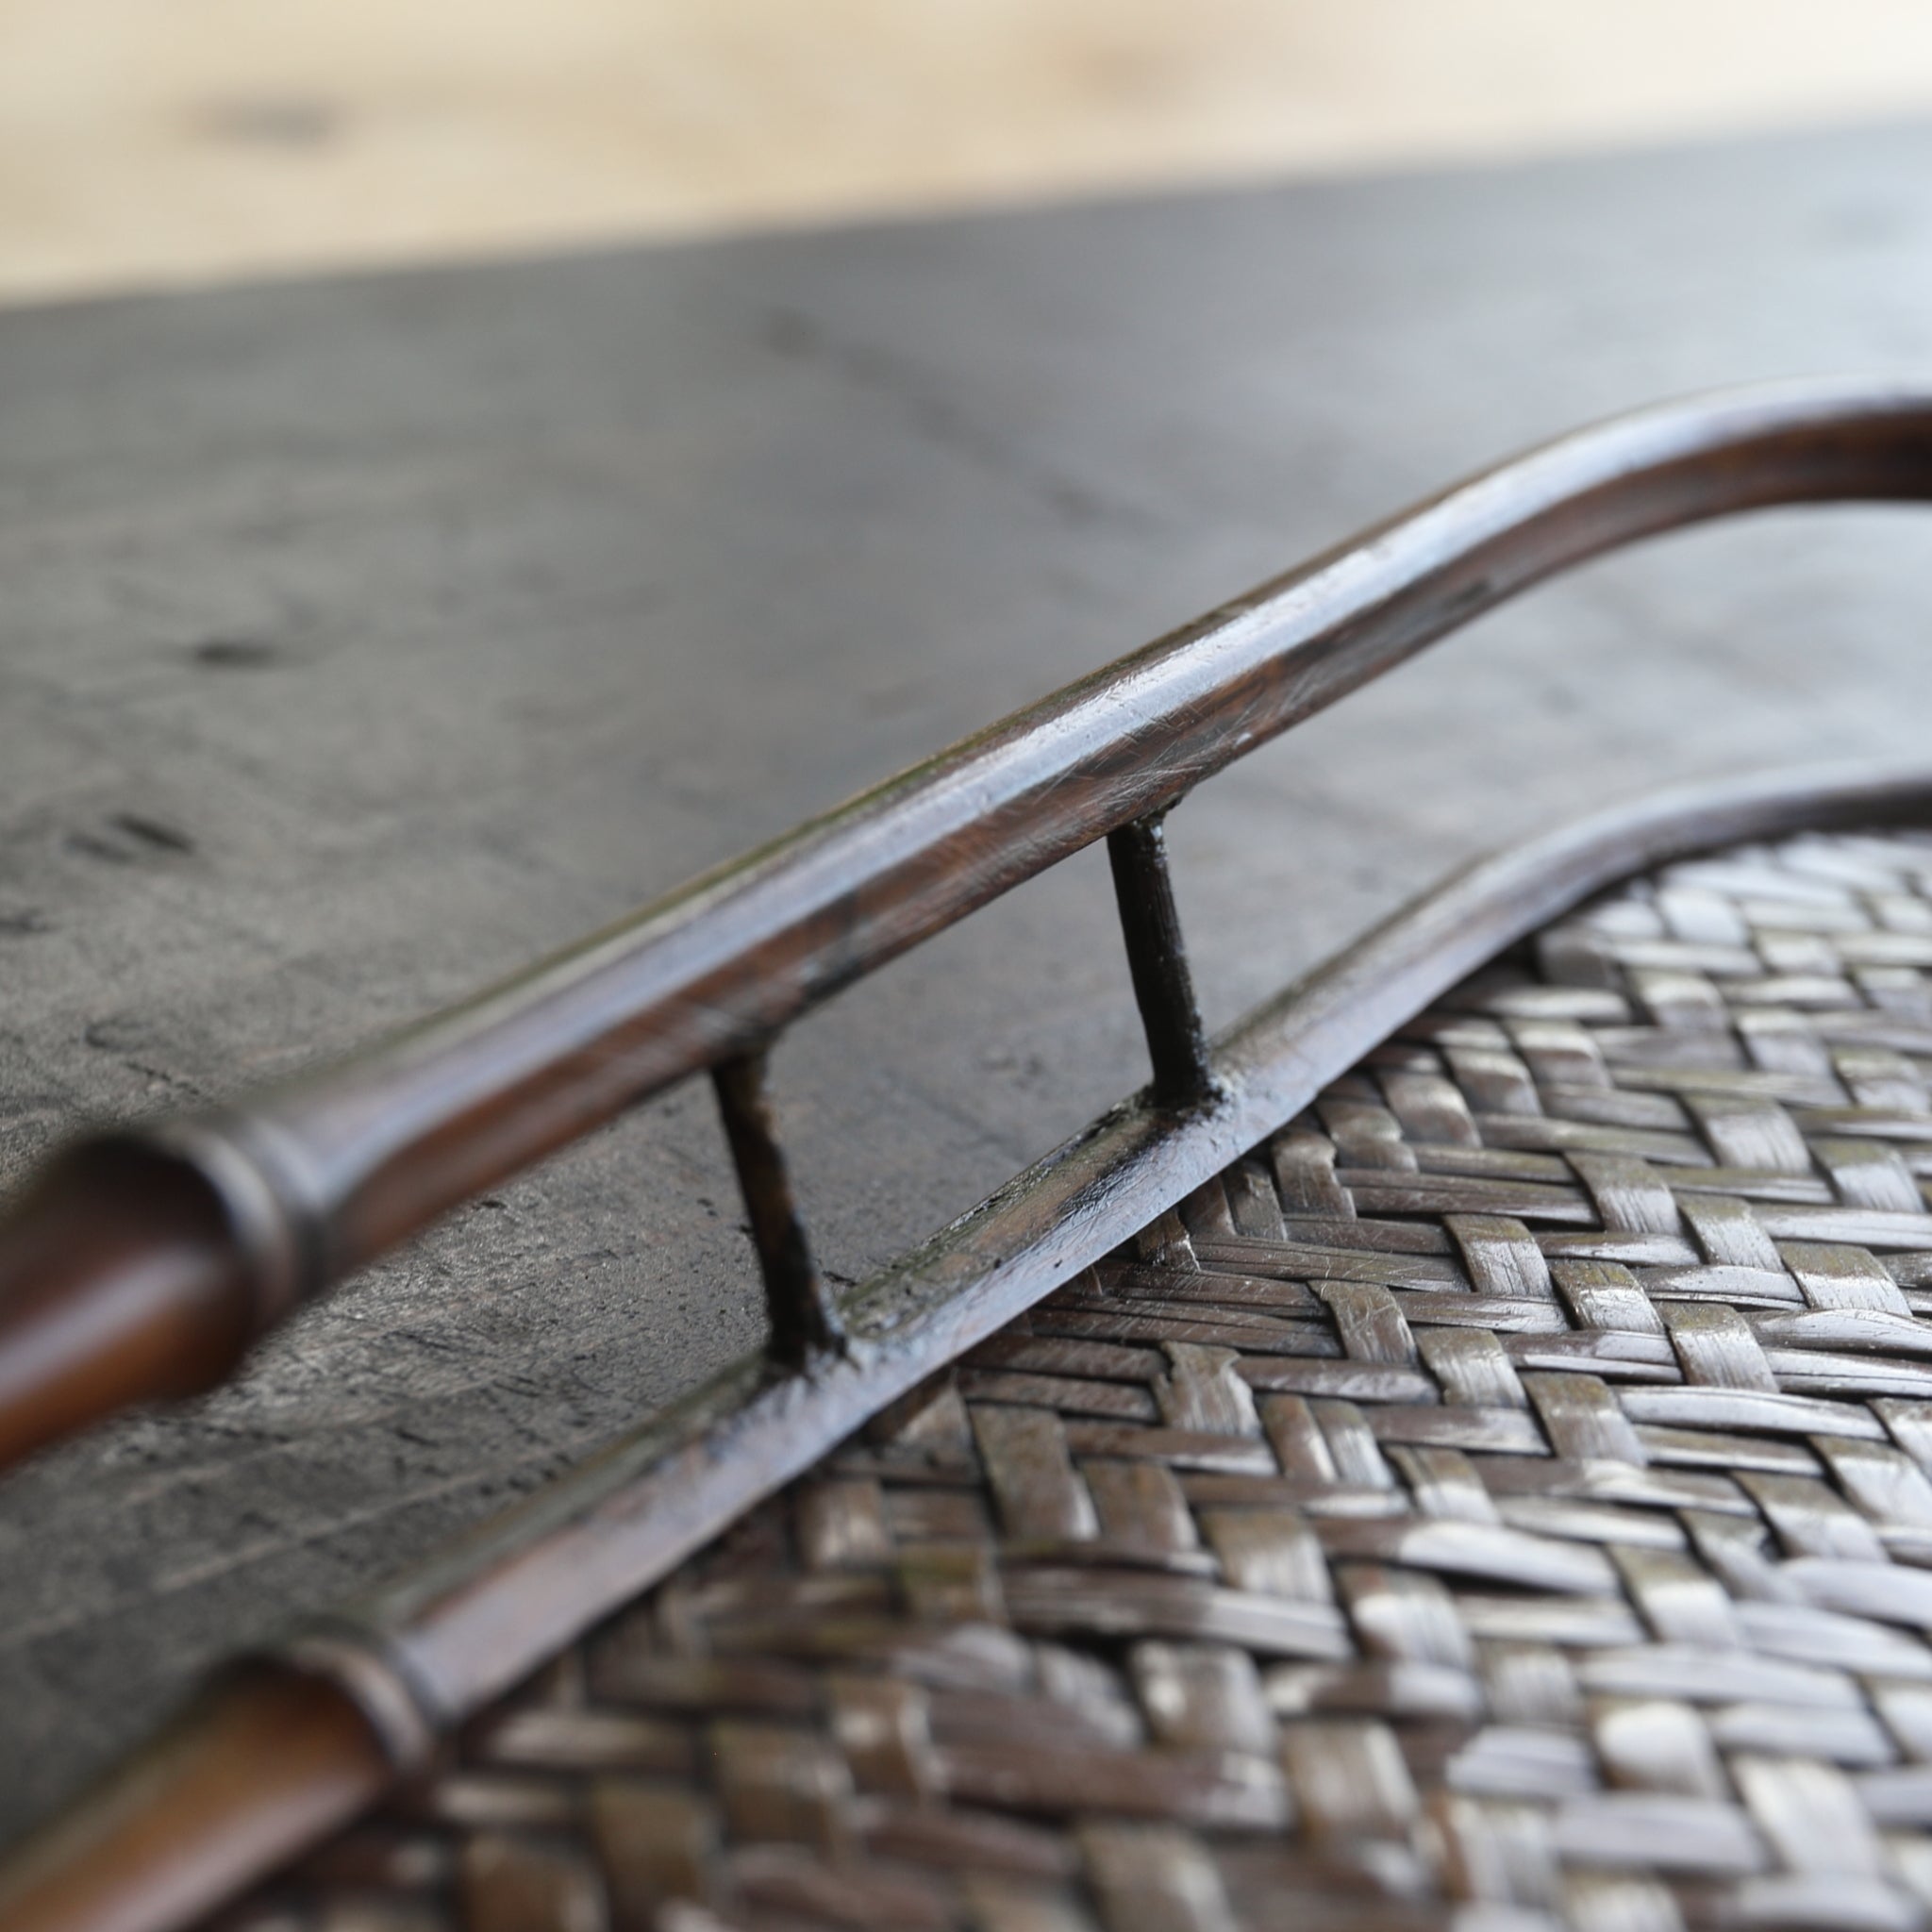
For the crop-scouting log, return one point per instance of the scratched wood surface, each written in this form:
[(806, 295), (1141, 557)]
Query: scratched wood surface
[(364, 639)]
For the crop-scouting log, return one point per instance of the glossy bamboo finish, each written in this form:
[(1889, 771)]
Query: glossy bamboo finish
[(319, 1177), (801, 1320), (121, 1281), (262, 1765), (1158, 960)]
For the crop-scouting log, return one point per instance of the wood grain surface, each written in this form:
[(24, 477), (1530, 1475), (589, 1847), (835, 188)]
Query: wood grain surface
[(362, 640), (143, 144)]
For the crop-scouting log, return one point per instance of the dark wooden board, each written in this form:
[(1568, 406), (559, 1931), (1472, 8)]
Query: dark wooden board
[(362, 640)]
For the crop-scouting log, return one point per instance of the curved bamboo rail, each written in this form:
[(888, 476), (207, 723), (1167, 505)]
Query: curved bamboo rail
[(141, 1264)]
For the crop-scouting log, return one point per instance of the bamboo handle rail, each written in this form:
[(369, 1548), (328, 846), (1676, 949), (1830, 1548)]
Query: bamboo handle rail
[(140, 1264)]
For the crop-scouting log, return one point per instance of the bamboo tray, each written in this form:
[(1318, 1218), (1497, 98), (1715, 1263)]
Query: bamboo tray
[(1457, 1444)]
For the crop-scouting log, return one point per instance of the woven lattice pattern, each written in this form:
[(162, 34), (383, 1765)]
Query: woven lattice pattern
[(1506, 1491)]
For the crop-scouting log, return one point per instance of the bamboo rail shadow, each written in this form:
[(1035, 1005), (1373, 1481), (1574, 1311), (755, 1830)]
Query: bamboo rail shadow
[(142, 1263)]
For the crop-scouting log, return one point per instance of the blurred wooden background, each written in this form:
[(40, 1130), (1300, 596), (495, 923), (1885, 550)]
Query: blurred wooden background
[(153, 141)]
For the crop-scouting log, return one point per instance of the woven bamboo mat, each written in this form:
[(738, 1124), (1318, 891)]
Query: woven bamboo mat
[(1505, 1493)]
